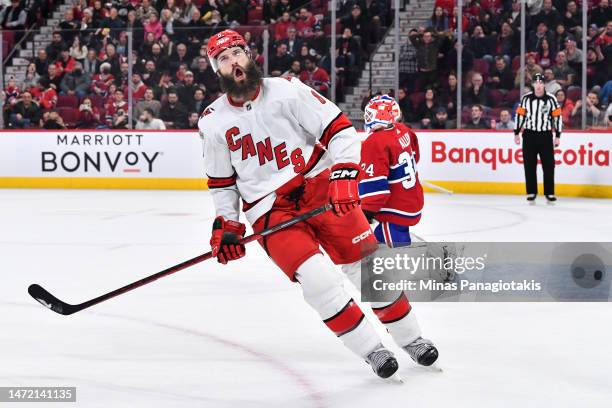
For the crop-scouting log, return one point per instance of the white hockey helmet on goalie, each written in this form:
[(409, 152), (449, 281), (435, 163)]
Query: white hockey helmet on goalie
[(222, 41), (381, 111)]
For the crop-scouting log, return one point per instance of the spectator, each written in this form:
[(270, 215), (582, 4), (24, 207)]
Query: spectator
[(167, 45), (596, 68), (559, 38), (546, 56), (448, 97), (119, 119), (531, 68), (65, 64), (91, 65), (31, 77), (161, 62), (53, 120), (147, 120), (500, 75), (173, 113), (204, 76), (357, 23), (76, 82), (78, 51), (305, 23), (408, 67), (281, 61), (200, 102), (440, 121), (153, 26), (139, 88), (271, 11), (150, 76), (566, 105), (180, 57), (315, 77), (549, 15), (69, 26), (186, 90), (12, 92), (428, 49), (438, 21), (56, 46), (89, 115), (42, 62), (53, 77), (505, 121), (147, 103), (607, 120), (186, 15), (280, 30), (573, 53), (349, 48), (293, 43), (45, 94), (234, 12), (405, 106), (319, 43), (535, 38), (114, 23), (114, 105), (145, 10), (477, 120), (551, 85), (167, 21), (426, 111), (481, 44), (111, 57), (606, 92), (294, 70), (452, 21), (477, 93), (125, 7), (573, 19), (164, 86), (564, 74), (593, 111), (24, 113), (192, 122), (601, 14), (100, 82), (507, 42), (14, 17)]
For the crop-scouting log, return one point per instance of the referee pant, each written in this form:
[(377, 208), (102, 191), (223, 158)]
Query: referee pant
[(534, 144)]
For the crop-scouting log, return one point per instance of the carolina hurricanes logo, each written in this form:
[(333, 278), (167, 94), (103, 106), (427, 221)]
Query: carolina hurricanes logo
[(208, 111)]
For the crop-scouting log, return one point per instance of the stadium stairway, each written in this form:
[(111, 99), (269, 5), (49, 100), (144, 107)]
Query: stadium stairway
[(383, 68), (42, 38)]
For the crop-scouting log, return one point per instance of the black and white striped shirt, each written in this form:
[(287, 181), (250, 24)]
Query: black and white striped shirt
[(539, 114)]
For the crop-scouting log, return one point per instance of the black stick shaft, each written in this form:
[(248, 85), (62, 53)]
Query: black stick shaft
[(198, 259)]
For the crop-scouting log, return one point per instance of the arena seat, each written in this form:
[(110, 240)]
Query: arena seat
[(67, 101), (70, 115)]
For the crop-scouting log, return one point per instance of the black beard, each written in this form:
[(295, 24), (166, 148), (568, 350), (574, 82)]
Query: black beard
[(237, 90)]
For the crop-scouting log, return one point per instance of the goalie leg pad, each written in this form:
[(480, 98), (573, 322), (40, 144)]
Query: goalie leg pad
[(324, 291)]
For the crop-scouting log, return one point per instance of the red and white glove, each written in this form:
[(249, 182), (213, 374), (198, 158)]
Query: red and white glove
[(343, 189), (226, 235)]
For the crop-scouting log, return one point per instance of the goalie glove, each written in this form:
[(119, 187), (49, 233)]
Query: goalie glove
[(343, 189), (226, 235)]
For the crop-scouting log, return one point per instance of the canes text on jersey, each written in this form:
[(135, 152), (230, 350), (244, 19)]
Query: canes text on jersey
[(264, 151)]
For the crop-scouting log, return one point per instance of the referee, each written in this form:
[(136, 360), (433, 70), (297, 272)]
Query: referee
[(539, 115)]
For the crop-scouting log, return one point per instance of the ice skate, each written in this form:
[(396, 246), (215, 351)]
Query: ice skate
[(422, 351), (382, 362)]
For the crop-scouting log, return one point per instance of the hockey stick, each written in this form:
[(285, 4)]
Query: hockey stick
[(48, 300), (436, 187)]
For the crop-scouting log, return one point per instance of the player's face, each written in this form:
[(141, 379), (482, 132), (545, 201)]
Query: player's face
[(233, 62)]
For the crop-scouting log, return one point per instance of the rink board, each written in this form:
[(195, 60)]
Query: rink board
[(462, 161)]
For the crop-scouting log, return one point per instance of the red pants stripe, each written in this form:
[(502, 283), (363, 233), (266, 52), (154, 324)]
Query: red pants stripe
[(345, 320), (395, 311)]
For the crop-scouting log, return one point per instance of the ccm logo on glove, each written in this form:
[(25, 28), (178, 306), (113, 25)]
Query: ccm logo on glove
[(343, 190)]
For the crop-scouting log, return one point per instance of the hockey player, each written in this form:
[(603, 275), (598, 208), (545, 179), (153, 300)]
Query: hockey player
[(269, 143), (392, 195)]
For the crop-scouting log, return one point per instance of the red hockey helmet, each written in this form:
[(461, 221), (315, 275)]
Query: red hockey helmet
[(382, 111), (222, 41)]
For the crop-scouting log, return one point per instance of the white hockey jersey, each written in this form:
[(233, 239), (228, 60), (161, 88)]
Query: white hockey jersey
[(253, 149)]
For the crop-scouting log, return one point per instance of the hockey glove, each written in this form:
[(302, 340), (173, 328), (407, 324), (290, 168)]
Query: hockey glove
[(343, 189), (224, 241)]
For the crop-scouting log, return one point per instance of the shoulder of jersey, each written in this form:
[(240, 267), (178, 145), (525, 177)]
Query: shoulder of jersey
[(286, 86), (551, 95), (528, 94)]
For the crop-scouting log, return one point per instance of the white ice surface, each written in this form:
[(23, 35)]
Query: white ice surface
[(241, 335)]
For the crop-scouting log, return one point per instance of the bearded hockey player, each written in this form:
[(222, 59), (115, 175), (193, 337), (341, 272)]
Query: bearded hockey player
[(392, 196), (281, 149)]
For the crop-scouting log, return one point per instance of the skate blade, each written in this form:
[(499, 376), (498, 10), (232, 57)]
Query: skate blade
[(434, 368), (531, 202), (395, 379), (551, 202)]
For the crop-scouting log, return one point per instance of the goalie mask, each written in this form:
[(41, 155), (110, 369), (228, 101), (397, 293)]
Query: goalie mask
[(222, 41), (381, 111)]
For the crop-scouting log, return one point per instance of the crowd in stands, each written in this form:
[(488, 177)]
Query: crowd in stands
[(491, 62), (81, 78)]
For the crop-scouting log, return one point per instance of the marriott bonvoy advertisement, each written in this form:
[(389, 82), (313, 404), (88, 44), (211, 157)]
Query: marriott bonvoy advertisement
[(467, 161), (101, 154)]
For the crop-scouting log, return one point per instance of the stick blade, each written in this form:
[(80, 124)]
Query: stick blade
[(49, 301)]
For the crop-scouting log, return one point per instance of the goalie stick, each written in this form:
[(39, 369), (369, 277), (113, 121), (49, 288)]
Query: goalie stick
[(48, 300)]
